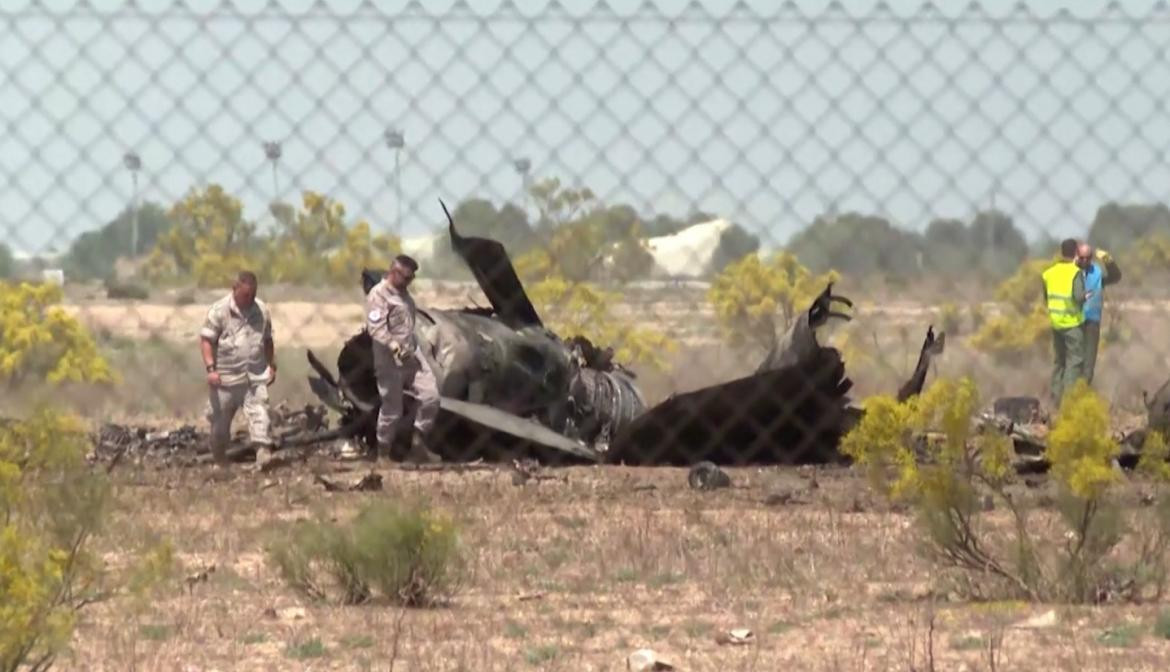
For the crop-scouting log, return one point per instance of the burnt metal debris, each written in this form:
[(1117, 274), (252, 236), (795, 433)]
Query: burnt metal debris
[(511, 388)]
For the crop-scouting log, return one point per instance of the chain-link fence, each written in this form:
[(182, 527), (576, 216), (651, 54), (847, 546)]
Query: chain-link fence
[(676, 185)]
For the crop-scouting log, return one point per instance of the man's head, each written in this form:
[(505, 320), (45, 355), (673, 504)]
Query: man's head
[(402, 271), (1068, 249), (1084, 255), (244, 289)]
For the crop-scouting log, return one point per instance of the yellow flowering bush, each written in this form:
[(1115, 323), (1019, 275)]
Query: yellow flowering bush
[(51, 505), (38, 339), (583, 309), (1023, 327), (749, 294), (930, 453)]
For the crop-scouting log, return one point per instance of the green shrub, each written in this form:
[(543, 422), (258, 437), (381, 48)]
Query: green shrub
[(951, 319), (51, 506), (928, 452), (407, 555), (126, 290)]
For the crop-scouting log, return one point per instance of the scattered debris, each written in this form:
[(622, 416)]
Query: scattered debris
[(707, 476), (738, 637), (199, 577), (644, 660), (522, 473), (371, 482), (528, 597), (187, 445)]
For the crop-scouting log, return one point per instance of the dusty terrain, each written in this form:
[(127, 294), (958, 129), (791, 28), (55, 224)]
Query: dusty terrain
[(576, 574)]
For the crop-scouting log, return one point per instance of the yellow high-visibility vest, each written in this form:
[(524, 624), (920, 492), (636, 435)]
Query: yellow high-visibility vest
[(1058, 285)]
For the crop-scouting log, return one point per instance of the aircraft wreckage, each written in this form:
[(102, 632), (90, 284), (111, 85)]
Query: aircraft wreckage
[(512, 389)]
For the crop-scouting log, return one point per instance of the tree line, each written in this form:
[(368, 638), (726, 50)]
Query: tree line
[(197, 238)]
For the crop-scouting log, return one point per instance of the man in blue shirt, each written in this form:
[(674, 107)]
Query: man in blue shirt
[(1100, 272)]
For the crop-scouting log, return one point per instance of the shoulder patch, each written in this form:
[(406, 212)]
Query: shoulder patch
[(375, 315)]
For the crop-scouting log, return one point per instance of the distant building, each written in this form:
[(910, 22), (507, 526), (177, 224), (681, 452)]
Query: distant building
[(422, 248), (687, 253)]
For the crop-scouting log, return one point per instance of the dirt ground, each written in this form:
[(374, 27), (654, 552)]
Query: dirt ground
[(578, 572)]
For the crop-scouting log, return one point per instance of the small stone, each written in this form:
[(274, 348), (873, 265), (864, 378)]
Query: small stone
[(707, 476), (644, 660)]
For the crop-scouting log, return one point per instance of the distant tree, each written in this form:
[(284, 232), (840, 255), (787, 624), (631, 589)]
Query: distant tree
[(753, 299), (479, 217), (576, 235), (858, 245), (1118, 227), (7, 263), (947, 243), (314, 245), (1002, 247), (735, 243), (94, 253), (208, 241)]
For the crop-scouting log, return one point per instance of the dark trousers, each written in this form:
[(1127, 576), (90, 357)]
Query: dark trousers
[(1068, 350), (1092, 333)]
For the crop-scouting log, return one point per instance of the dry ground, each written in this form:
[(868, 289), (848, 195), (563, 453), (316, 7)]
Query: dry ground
[(615, 559), (577, 574)]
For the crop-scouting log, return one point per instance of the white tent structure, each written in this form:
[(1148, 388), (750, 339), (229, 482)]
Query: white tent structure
[(422, 248), (687, 253)]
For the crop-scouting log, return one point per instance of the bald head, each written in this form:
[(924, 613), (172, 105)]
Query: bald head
[(1084, 255)]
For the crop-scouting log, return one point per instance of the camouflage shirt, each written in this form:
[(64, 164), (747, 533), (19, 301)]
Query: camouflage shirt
[(391, 315), (238, 338)]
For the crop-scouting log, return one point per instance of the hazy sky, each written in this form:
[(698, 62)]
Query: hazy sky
[(763, 112)]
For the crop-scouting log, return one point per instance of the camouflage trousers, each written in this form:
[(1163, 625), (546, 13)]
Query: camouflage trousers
[(415, 376), (225, 401)]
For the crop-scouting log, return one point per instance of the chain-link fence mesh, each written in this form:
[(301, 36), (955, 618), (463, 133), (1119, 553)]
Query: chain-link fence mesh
[(675, 184)]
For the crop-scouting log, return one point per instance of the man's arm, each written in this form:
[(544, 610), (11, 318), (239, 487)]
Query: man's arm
[(208, 338), (1112, 270), (378, 314), (1079, 289), (208, 351), (269, 345)]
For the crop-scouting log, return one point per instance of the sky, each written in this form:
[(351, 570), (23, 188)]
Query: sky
[(765, 113)]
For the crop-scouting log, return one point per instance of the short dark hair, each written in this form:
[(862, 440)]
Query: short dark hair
[(1068, 247), (247, 278), (406, 261)]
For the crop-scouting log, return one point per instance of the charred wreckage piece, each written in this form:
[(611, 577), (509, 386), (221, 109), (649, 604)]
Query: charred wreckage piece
[(510, 388)]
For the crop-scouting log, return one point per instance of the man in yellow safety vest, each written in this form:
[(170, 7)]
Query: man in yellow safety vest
[(1064, 292)]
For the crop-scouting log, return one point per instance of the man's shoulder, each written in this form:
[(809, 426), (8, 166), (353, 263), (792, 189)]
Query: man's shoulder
[(378, 292), (221, 306)]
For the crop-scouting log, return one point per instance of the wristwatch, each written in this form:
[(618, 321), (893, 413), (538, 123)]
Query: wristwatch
[(210, 367)]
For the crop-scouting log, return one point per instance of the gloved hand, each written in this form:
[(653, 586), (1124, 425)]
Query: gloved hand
[(1103, 256)]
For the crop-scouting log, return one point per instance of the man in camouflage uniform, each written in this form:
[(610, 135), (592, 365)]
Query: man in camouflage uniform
[(239, 356), (390, 320)]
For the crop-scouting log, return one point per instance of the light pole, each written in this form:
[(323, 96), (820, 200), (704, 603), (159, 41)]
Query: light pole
[(395, 140), (272, 153), (133, 163), (522, 166)]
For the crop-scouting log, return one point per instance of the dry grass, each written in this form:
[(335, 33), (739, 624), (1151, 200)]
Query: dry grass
[(577, 575), (613, 560)]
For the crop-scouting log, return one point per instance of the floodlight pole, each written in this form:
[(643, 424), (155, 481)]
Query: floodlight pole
[(396, 140), (133, 163)]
